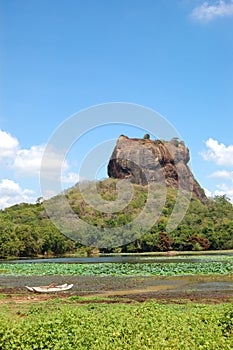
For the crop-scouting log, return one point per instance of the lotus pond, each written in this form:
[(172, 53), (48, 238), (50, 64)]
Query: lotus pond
[(149, 266)]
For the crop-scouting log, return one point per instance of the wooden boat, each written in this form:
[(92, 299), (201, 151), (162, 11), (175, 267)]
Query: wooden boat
[(51, 288)]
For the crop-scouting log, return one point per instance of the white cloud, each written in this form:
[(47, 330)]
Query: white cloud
[(70, 178), (221, 155), (54, 167), (223, 174), (208, 12), (18, 162), (8, 145), (207, 192), (27, 162), (218, 152), (223, 189), (24, 161), (11, 193)]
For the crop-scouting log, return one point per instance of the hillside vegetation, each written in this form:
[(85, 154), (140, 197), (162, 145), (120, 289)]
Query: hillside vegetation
[(26, 230)]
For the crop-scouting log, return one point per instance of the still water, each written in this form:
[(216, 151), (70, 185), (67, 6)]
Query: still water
[(125, 259)]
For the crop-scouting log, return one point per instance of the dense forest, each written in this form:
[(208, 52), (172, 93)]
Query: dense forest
[(26, 230)]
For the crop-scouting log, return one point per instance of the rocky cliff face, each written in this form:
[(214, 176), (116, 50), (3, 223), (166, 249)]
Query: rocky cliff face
[(143, 161)]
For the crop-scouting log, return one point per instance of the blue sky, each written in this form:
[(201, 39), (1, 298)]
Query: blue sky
[(59, 57)]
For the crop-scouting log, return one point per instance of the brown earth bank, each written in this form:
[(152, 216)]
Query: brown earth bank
[(111, 289)]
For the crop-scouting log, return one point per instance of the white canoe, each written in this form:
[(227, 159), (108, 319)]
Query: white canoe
[(50, 288)]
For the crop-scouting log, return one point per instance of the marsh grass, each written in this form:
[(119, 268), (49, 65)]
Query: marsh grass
[(149, 325)]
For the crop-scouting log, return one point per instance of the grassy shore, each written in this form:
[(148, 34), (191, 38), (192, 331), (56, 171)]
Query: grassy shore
[(69, 325)]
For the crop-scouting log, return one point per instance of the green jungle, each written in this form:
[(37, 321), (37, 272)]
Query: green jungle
[(27, 231)]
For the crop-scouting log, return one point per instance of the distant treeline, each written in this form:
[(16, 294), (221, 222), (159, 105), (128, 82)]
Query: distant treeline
[(26, 230)]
